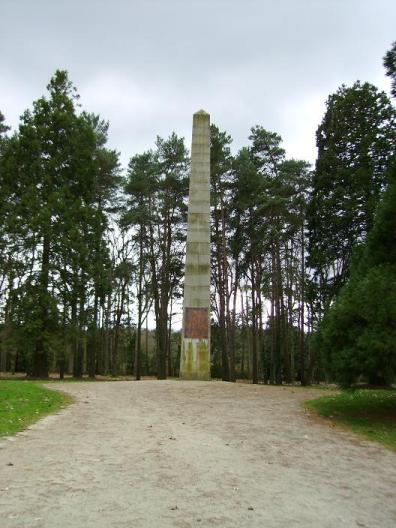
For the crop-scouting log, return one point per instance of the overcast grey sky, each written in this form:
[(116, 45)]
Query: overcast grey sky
[(147, 65)]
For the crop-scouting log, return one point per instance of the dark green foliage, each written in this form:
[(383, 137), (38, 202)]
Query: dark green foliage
[(390, 67), (358, 333), (3, 126), (356, 141), (57, 178)]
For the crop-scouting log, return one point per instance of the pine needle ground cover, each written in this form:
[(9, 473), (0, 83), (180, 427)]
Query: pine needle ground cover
[(24, 402), (371, 413)]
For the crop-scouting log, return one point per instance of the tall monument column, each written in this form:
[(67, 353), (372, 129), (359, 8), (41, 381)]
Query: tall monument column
[(195, 351)]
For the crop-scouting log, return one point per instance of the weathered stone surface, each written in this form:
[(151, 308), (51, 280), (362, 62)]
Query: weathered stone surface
[(195, 352)]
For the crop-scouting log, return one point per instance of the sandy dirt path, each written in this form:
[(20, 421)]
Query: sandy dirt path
[(192, 454)]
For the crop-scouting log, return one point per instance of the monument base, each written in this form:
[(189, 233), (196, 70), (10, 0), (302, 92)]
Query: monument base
[(195, 364)]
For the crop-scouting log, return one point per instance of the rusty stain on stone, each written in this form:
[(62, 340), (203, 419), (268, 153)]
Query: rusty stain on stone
[(196, 323)]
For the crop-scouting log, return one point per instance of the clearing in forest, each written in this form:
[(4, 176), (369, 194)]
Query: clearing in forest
[(192, 454)]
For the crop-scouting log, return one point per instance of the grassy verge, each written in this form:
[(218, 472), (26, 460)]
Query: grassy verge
[(371, 413), (24, 402)]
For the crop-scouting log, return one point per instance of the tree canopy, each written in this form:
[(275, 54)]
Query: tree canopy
[(303, 259), (358, 333)]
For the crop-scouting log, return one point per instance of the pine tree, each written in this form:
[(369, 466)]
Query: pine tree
[(140, 186), (157, 189), (50, 173), (220, 175), (356, 141)]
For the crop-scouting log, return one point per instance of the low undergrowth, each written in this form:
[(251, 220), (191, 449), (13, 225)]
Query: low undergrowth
[(24, 402), (370, 413)]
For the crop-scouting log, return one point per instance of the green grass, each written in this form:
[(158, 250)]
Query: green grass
[(371, 413), (24, 402)]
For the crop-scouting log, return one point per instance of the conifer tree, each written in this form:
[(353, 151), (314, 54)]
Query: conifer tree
[(51, 171), (356, 141), (390, 67), (358, 333)]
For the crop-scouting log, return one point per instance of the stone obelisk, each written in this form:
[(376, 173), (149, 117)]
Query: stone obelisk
[(195, 351)]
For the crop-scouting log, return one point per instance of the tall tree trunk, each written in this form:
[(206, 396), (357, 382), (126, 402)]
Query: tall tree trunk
[(289, 315), (243, 332), (285, 342), (138, 342), (107, 335), (162, 342), (8, 327), (254, 325), (264, 361), (232, 324), (161, 332), (169, 351), (40, 353), (146, 348), (63, 348), (93, 339), (304, 380), (119, 313), (274, 337), (221, 278), (78, 363), (249, 337), (278, 314)]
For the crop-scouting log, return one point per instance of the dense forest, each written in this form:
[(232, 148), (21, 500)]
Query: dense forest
[(303, 258)]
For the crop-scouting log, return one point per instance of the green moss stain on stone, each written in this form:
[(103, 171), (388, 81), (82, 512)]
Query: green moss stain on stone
[(198, 248), (189, 359), (203, 357), (195, 362), (198, 219), (197, 269), (201, 114)]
